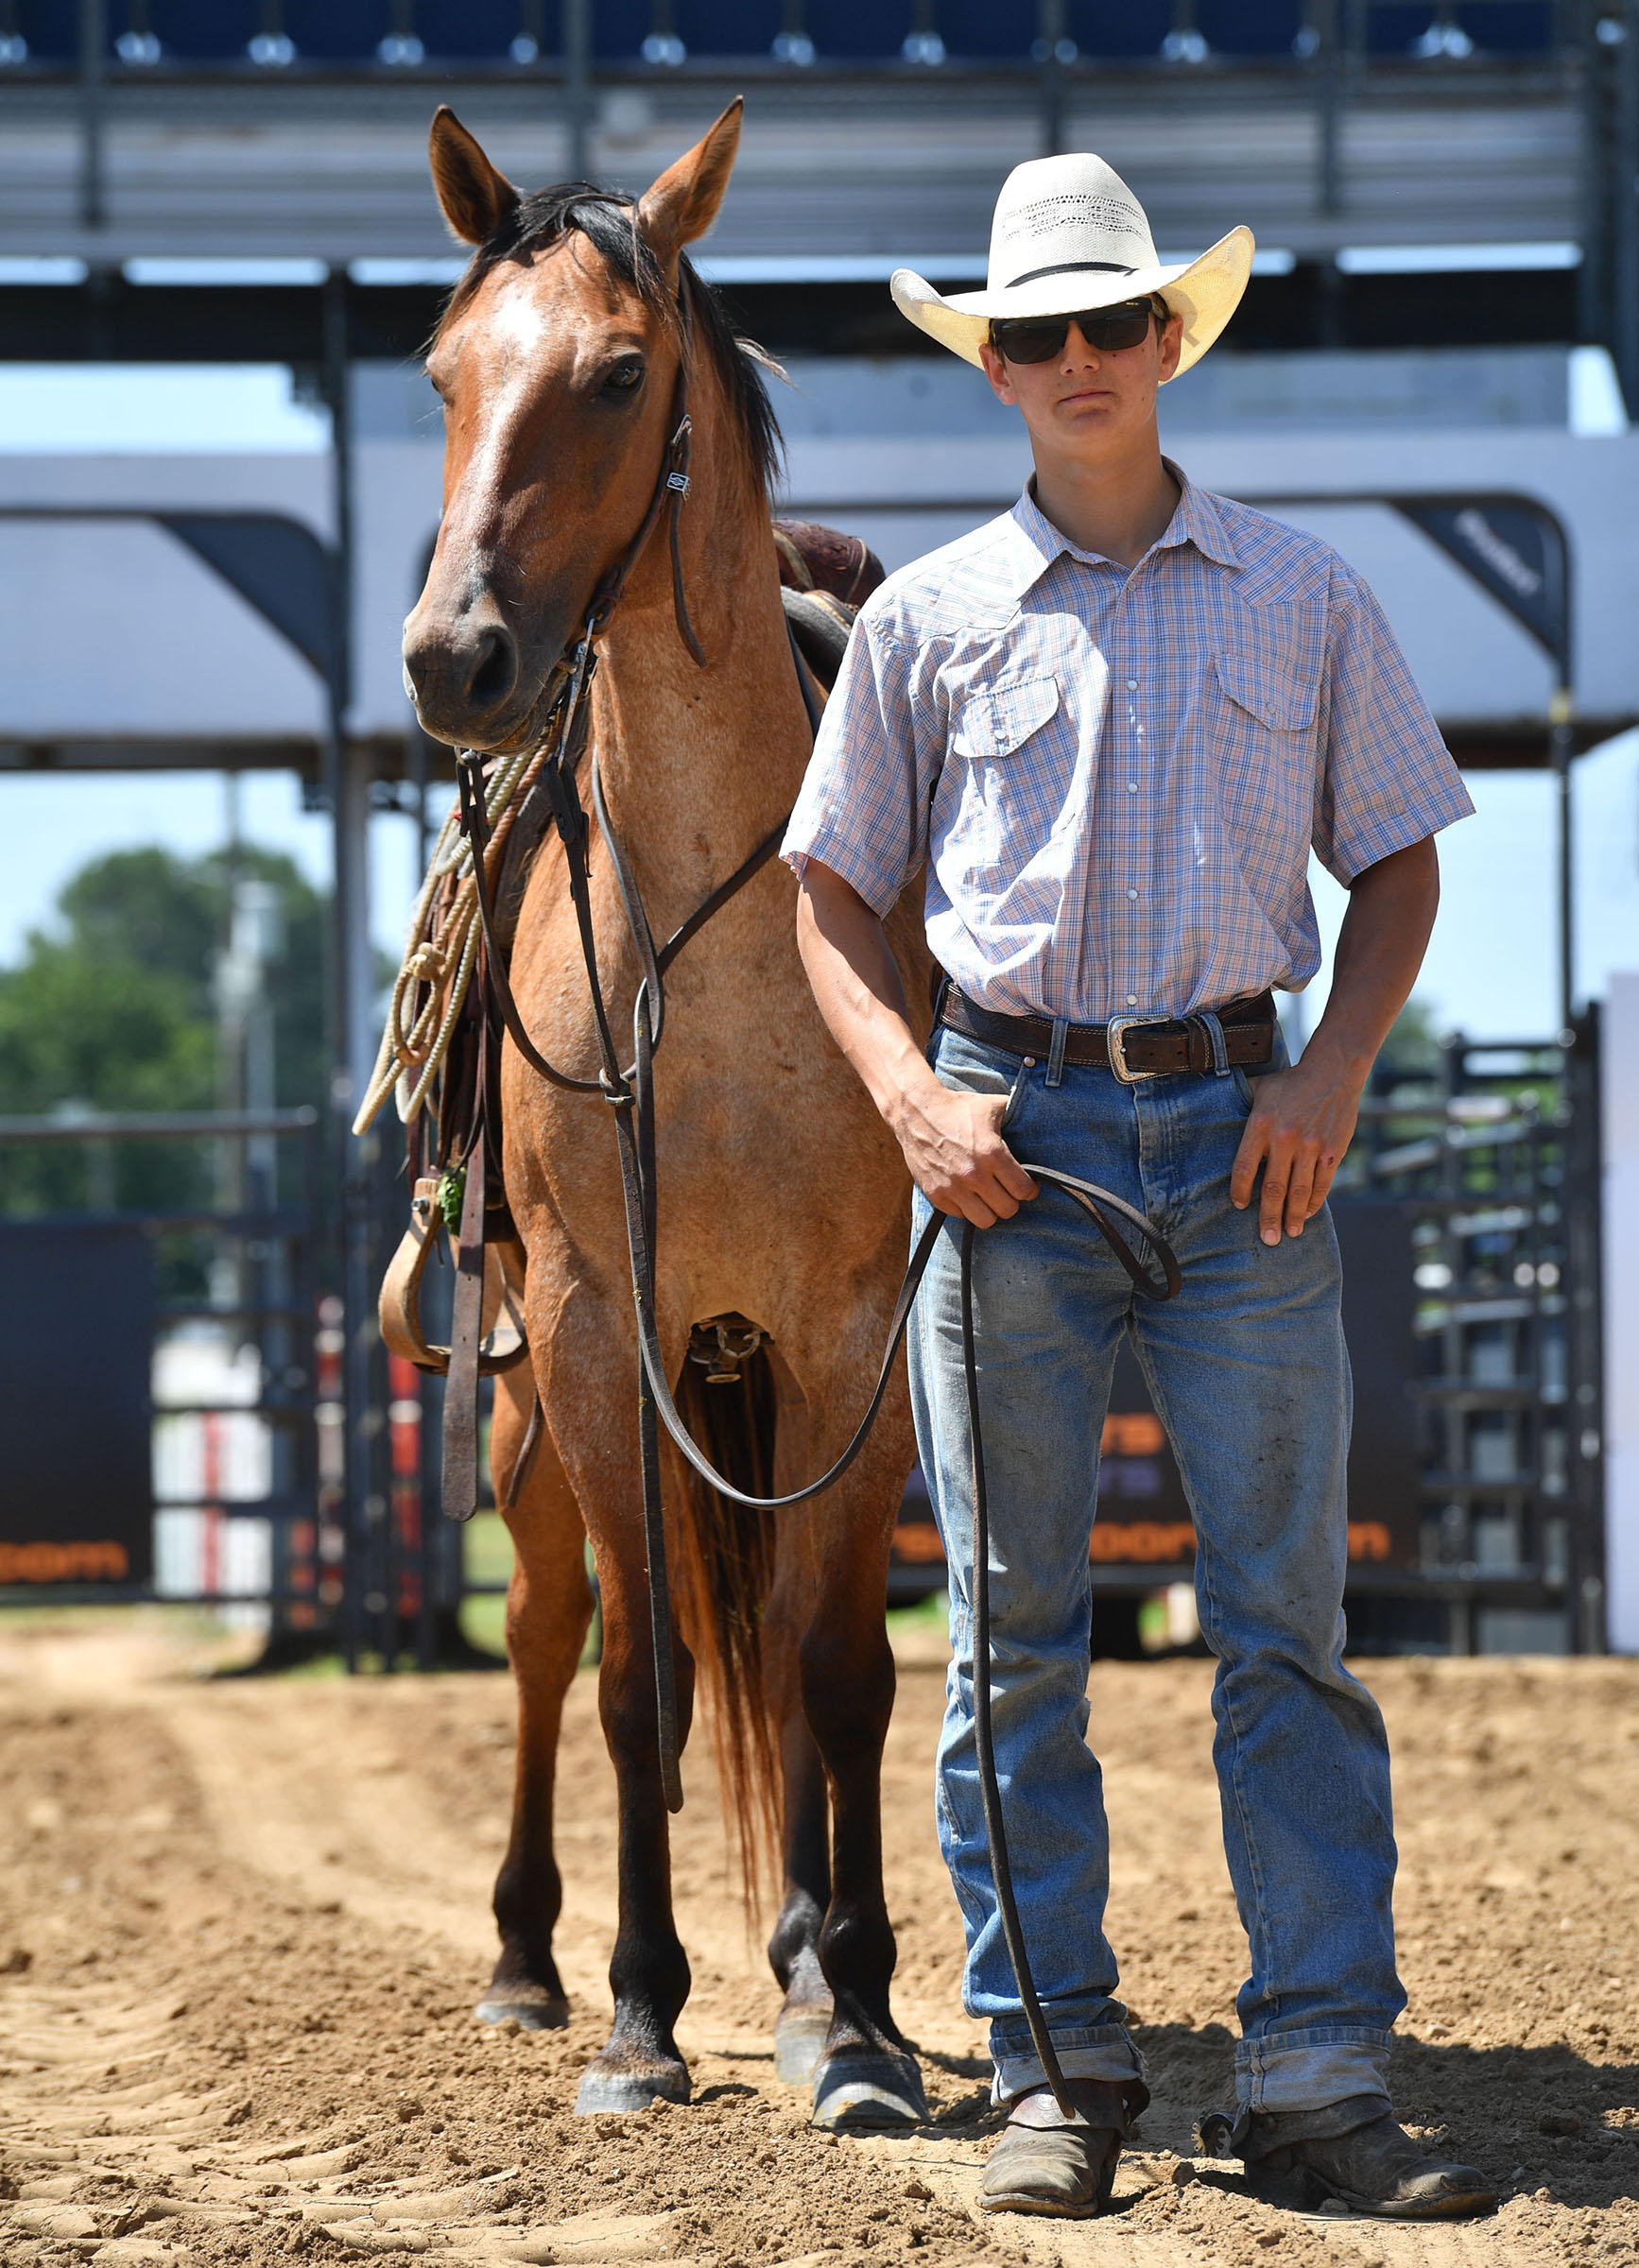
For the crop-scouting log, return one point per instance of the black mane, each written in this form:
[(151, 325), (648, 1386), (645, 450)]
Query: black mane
[(607, 221)]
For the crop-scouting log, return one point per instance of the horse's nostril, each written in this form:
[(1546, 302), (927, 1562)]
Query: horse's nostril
[(495, 671)]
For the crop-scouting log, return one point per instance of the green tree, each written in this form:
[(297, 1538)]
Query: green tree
[(1412, 1047), (115, 1008)]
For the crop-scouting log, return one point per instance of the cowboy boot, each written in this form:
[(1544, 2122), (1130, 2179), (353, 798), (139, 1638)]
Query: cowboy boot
[(1045, 2163), (1353, 2149)]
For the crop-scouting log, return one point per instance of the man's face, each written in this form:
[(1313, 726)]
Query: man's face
[(1087, 402)]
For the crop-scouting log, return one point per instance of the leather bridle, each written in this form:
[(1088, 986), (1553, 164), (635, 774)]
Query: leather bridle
[(629, 1092)]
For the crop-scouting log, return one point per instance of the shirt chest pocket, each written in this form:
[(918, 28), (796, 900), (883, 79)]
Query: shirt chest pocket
[(992, 724), (1261, 724), (1012, 752), (1267, 694)]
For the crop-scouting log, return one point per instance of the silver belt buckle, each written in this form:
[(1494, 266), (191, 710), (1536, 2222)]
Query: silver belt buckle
[(1116, 1033)]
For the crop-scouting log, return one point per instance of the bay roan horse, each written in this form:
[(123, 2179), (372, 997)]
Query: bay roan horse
[(782, 1196)]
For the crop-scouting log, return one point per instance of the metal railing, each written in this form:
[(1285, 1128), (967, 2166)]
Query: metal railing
[(1494, 1156), (125, 37)]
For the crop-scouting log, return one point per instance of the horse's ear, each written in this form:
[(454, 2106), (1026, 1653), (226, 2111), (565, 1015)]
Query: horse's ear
[(476, 198), (684, 203)]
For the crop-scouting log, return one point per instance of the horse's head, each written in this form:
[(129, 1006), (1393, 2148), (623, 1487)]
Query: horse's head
[(556, 363)]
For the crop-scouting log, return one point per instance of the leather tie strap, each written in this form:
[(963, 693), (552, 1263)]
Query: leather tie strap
[(460, 1474)]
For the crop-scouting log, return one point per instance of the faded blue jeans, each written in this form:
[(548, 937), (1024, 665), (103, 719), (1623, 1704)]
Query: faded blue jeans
[(1247, 1371)]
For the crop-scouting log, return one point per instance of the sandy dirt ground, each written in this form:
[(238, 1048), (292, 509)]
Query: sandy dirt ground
[(243, 1925)]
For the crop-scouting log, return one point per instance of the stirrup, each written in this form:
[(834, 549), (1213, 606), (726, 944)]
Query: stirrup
[(400, 1309)]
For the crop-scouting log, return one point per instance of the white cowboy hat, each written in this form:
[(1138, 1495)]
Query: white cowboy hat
[(1069, 235)]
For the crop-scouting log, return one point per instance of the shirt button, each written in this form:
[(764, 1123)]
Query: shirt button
[(1133, 685), (1132, 788), (1132, 893), (1133, 1000)]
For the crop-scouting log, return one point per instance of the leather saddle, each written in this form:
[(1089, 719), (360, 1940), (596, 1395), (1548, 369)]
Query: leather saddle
[(824, 579)]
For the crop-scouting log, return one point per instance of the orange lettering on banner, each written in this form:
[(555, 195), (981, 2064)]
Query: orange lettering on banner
[(1132, 1434), (1145, 1542), (63, 1562), (1137, 1542)]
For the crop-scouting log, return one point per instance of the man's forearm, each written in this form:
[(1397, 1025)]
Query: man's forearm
[(951, 1142), (1380, 948), (856, 988)]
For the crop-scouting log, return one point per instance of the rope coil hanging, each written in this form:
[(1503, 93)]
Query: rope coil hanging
[(442, 942)]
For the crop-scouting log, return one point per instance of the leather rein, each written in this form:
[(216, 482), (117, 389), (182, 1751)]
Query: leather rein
[(629, 1092)]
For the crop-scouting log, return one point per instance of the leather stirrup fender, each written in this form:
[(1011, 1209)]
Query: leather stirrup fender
[(500, 1349)]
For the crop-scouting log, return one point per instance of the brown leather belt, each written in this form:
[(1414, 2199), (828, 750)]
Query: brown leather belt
[(1132, 1047)]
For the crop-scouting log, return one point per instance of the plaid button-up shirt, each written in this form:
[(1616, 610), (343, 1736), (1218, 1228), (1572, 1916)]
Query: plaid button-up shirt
[(1115, 778)]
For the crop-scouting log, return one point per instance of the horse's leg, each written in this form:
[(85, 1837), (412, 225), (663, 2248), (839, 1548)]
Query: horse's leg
[(867, 2076), (548, 1608), (648, 1973), (805, 1813), (590, 1393)]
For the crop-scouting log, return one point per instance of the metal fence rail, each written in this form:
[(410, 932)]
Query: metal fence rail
[(796, 35), (1494, 1155)]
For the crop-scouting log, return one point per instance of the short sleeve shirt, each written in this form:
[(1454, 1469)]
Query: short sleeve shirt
[(1114, 778)]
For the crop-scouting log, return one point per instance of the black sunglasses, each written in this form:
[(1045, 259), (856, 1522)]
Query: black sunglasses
[(1107, 330)]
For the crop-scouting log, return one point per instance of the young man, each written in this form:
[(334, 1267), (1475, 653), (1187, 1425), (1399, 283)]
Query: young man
[(1111, 723)]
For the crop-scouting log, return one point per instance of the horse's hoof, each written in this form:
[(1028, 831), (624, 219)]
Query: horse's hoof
[(798, 2042), (868, 2090), (531, 2011), (604, 2089)]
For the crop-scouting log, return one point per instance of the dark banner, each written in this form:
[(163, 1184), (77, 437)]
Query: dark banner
[(75, 1333)]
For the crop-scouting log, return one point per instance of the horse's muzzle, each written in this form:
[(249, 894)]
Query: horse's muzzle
[(463, 672)]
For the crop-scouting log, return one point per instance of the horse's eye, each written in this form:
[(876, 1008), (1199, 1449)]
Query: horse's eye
[(624, 376)]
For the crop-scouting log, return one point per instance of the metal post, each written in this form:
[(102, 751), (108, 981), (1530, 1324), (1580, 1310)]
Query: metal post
[(1625, 201), (93, 38), (578, 84), (351, 1002), (1584, 1349), (1559, 714), (1052, 41), (1329, 77), (1596, 174)]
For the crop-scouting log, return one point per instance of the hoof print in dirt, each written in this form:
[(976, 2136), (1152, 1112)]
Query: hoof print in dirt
[(529, 2013), (854, 2091), (623, 2091), (798, 2042)]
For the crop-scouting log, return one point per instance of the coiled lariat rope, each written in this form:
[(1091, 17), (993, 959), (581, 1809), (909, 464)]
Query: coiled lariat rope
[(441, 945)]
